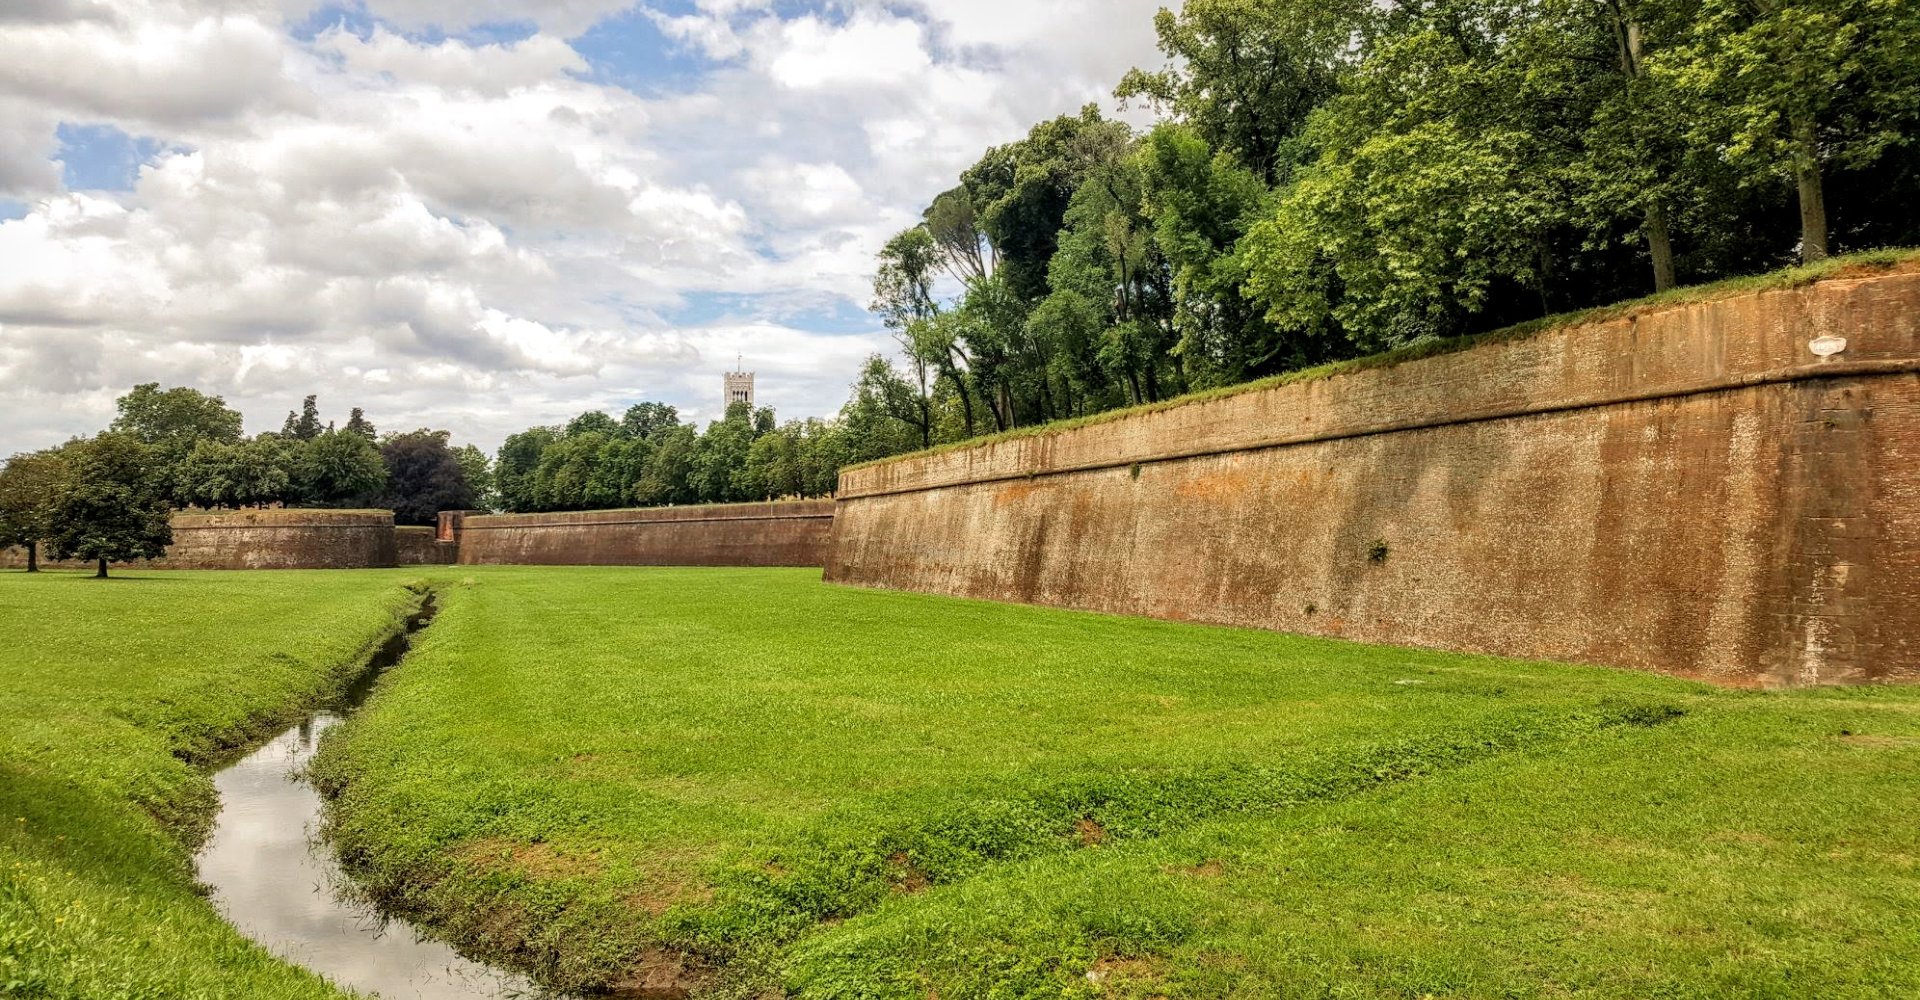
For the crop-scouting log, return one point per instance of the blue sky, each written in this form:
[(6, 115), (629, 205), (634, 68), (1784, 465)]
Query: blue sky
[(488, 214)]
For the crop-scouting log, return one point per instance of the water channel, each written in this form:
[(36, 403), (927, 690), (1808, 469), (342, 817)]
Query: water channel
[(275, 879)]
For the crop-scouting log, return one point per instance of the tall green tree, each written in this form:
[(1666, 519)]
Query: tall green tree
[(478, 469), (29, 487), (306, 425), (1203, 203), (1793, 89), (338, 469), (1246, 74), (252, 473), (176, 419), (645, 420), (423, 477), (112, 503)]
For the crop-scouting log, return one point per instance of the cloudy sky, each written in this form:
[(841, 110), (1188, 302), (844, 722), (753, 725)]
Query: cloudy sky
[(486, 214)]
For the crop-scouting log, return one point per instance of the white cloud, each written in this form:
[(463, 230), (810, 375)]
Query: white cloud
[(484, 236), (491, 69), (158, 74)]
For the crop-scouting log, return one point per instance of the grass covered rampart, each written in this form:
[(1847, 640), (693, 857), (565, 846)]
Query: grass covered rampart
[(742, 783), (116, 697)]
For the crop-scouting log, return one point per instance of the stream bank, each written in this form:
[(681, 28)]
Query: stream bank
[(276, 880)]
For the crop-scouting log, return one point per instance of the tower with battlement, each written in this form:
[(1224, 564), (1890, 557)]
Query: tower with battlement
[(739, 388)]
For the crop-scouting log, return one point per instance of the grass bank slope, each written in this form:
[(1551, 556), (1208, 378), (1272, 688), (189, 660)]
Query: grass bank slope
[(742, 781), (114, 696)]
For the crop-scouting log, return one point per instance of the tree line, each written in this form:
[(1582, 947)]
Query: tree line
[(1326, 179), (109, 498), (1332, 178)]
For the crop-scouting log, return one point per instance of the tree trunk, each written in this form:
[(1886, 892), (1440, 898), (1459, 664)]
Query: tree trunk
[(33, 557), (102, 573), (1660, 247), (1813, 193), (966, 404)]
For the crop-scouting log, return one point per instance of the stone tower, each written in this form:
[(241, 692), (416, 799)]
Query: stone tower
[(739, 388)]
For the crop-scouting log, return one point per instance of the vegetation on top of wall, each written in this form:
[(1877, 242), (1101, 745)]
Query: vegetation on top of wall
[(1328, 179), (1862, 264), (281, 513)]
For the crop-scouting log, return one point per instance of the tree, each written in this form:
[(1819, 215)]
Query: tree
[(249, 474), (1245, 74), (515, 472), (29, 486), (569, 476), (337, 469), (423, 477), (112, 504), (1202, 204), (1790, 89), (646, 420), (478, 469), (306, 426), (174, 420), (721, 453), (670, 471), (594, 422), (1021, 191), (357, 423)]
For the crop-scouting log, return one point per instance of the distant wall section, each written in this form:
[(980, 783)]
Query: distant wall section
[(262, 539), (282, 539), (793, 533), (415, 546)]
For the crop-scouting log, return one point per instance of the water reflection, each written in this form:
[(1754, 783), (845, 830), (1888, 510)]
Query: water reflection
[(276, 882)]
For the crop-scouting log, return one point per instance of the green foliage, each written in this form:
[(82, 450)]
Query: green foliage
[(111, 502), (244, 474), (424, 476), (337, 469), (1245, 74), (1335, 179), (649, 459), (306, 426), (176, 419), (478, 470), (29, 492), (847, 793)]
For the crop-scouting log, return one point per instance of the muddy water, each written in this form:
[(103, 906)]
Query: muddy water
[(278, 883)]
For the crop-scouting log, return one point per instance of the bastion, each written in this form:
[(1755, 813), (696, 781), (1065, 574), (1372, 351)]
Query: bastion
[(1687, 488)]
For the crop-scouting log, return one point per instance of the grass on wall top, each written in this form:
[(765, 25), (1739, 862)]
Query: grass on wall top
[(1864, 263)]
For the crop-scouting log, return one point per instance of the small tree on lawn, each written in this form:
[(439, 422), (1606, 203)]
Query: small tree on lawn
[(27, 488), (112, 506)]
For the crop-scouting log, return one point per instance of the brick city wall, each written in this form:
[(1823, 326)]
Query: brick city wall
[(415, 546), (1685, 489), (281, 539), (766, 534), (263, 539)]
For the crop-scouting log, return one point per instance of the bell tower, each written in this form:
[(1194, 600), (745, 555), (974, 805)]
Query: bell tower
[(738, 386)]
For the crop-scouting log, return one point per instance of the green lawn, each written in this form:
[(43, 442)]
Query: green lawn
[(114, 696), (844, 793)]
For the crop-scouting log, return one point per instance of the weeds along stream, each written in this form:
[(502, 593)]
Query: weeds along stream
[(276, 880)]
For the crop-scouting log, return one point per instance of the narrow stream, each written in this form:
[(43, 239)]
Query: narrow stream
[(274, 879)]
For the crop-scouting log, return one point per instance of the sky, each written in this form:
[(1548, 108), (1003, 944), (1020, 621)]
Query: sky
[(485, 215)]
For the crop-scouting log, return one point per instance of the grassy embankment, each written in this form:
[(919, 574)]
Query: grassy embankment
[(114, 698), (843, 793)]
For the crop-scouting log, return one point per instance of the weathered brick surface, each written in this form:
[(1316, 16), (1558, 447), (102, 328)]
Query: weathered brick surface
[(282, 539), (768, 534), (416, 546), (1686, 490), (266, 539)]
